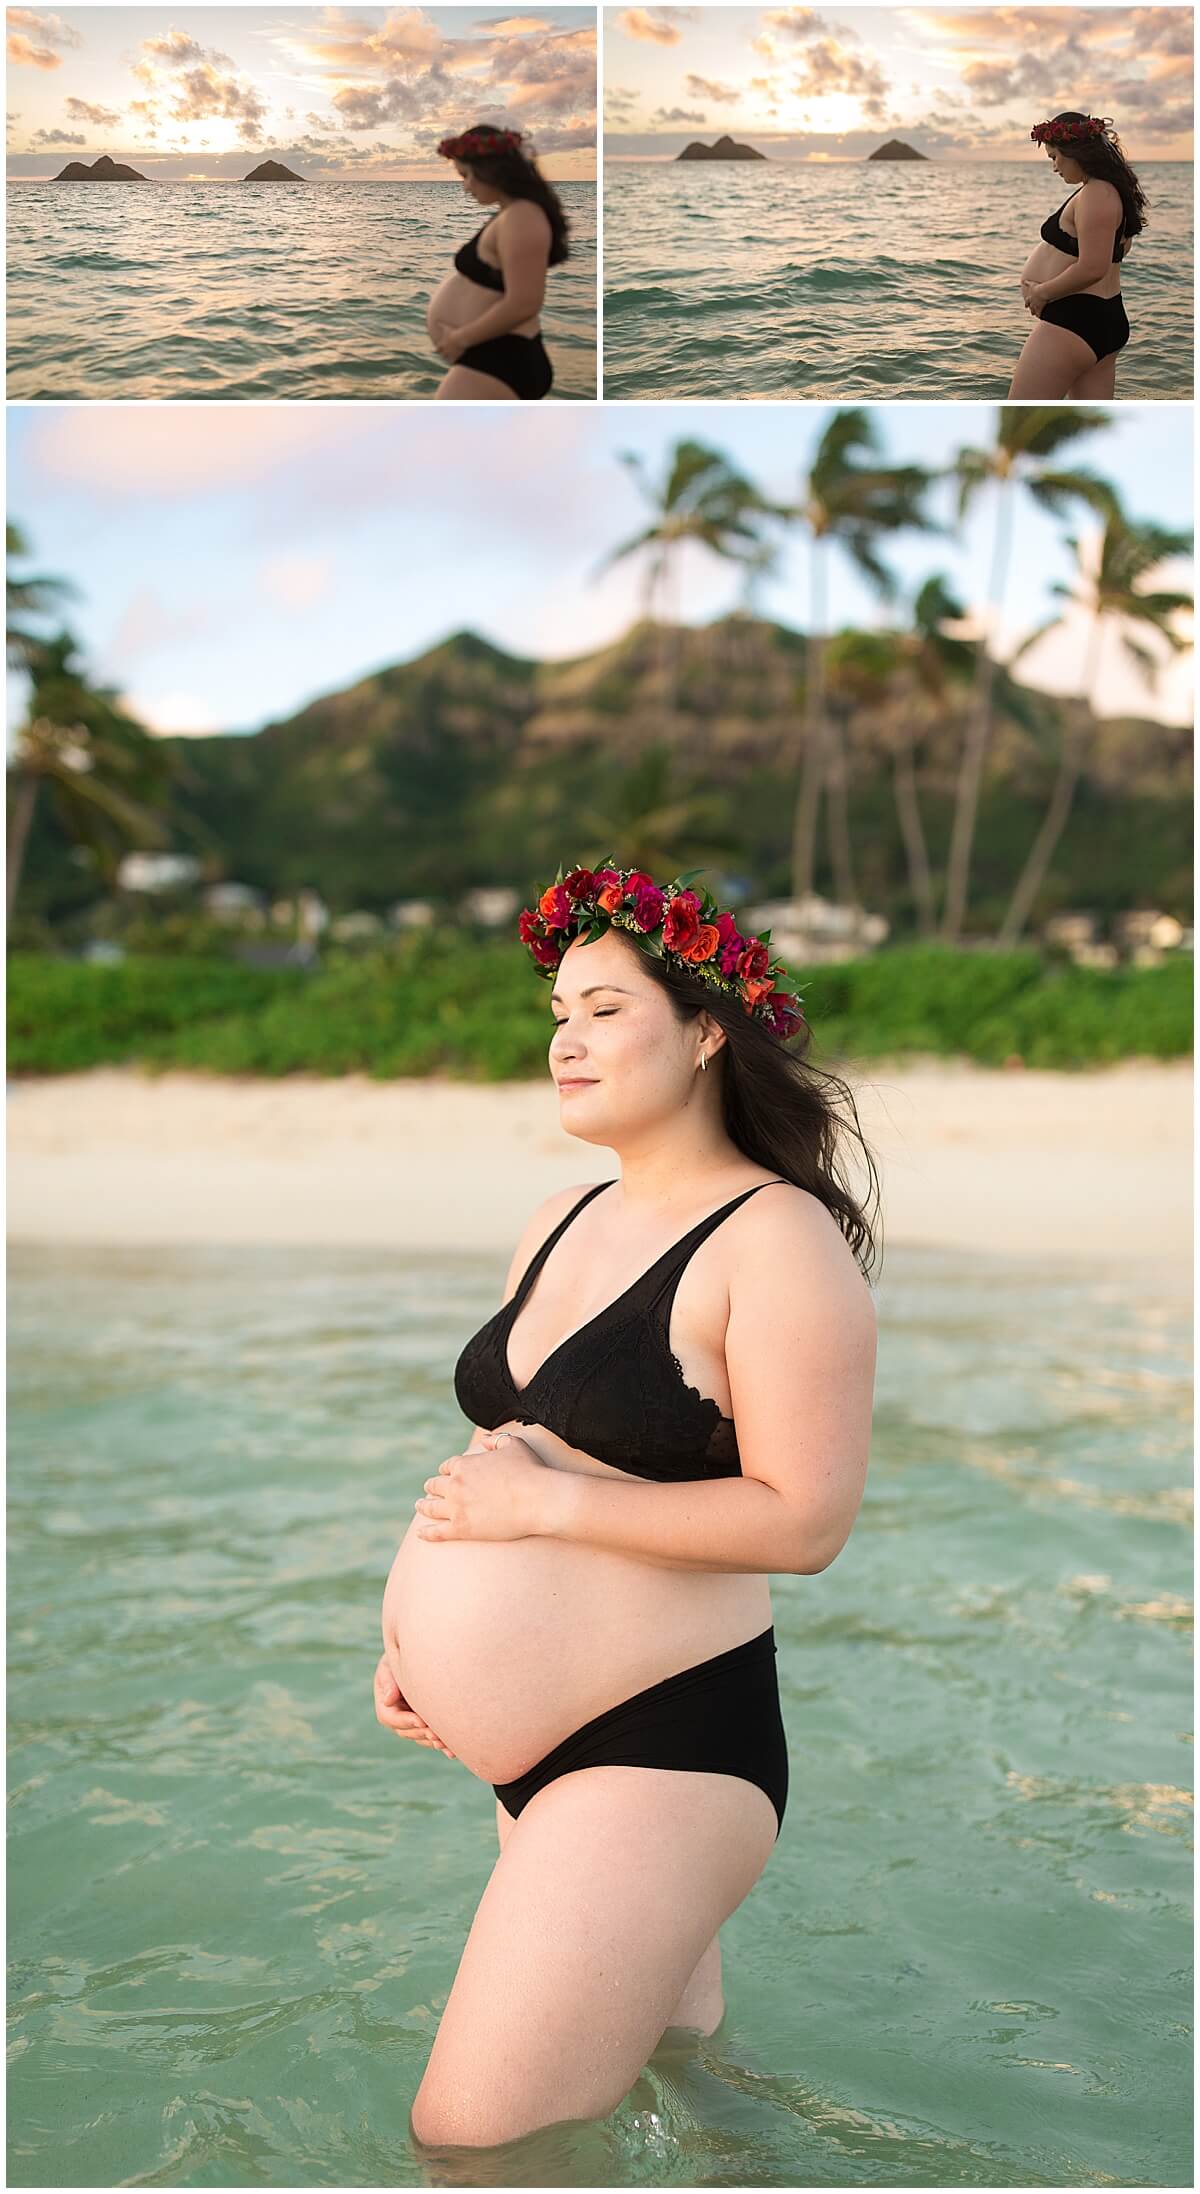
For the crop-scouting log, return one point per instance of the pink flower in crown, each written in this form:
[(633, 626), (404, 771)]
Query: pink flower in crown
[(545, 951), (732, 944), (785, 1014), (554, 906), (648, 904)]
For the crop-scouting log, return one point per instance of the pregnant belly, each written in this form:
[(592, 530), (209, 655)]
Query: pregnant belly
[(507, 1646), (457, 300), (1046, 262)]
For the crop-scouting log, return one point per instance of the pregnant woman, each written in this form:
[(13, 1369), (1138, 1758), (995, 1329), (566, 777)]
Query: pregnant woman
[(673, 1400), (1070, 281), (483, 318)]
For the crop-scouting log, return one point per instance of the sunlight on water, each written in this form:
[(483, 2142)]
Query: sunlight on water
[(861, 279), (236, 1906), (216, 289)]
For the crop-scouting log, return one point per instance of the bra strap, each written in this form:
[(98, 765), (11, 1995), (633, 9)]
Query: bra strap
[(538, 1260)]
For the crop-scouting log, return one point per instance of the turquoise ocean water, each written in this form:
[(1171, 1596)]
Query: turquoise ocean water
[(235, 1904), (280, 290), (861, 279)]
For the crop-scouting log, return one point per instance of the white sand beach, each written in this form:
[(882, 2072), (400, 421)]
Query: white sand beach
[(1025, 1162)]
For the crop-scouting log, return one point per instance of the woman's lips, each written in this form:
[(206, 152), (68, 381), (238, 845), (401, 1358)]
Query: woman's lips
[(580, 1081)]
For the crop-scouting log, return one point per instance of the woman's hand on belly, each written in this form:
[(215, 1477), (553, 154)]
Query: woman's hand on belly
[(393, 1711), (449, 342), (498, 1491)]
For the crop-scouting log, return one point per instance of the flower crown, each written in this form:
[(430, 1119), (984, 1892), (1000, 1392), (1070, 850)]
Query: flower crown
[(481, 139), (1064, 133), (668, 922)]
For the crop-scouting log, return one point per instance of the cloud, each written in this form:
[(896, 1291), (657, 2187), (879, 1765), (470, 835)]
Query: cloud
[(55, 137), (144, 454), (826, 67), (296, 582), (81, 110), (36, 50), (147, 626), (677, 114), (177, 68), (703, 87), (341, 43), (173, 715), (653, 26), (790, 23)]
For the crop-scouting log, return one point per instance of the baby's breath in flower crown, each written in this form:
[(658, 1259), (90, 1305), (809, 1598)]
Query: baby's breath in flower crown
[(668, 921)]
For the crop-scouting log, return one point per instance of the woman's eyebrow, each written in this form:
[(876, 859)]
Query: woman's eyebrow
[(591, 990)]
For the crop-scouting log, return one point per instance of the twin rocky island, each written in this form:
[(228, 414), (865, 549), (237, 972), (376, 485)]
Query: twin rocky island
[(726, 148), (105, 170)]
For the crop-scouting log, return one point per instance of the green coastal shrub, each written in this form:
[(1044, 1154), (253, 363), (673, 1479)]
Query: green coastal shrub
[(473, 1008)]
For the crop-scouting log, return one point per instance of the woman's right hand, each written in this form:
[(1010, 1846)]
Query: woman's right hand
[(393, 1711)]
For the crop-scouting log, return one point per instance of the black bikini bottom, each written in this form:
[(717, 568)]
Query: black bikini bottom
[(719, 1717), (519, 360), (1101, 321)]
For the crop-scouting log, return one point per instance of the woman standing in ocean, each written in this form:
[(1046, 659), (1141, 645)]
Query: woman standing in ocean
[(483, 318), (580, 1609), (1070, 281)]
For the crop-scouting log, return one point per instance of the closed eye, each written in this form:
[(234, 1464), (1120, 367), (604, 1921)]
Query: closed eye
[(600, 1013)]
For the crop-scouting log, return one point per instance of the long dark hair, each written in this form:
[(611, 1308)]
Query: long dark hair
[(775, 1106), (1104, 155), (518, 175)]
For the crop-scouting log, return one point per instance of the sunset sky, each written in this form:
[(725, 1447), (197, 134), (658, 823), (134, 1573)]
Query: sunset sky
[(208, 93), (833, 83), (236, 560)]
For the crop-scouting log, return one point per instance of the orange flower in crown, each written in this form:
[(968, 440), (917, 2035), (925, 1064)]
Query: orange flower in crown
[(667, 921)]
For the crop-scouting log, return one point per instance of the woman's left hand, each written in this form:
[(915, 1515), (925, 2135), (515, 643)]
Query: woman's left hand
[(1034, 294), (497, 1492), (450, 343)]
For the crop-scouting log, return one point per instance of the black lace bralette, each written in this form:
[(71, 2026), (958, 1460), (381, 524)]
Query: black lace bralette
[(470, 261), (614, 1387)]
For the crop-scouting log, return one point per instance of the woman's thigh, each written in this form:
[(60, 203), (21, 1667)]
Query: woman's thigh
[(481, 388), (609, 1886), (1052, 359), (1100, 379)]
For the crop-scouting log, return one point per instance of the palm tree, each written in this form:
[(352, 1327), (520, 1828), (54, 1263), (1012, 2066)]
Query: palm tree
[(106, 776), (30, 596), (1028, 436), (701, 497), (909, 680), (852, 504), (1114, 598), (651, 819)]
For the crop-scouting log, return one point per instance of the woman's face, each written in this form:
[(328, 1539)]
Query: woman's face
[(484, 194), (633, 1061), (1062, 163)]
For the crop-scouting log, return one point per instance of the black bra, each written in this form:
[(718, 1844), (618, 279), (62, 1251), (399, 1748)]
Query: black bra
[(468, 262), (614, 1387), (1054, 232)]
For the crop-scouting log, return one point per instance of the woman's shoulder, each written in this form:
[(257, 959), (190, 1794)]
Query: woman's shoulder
[(1097, 184), (523, 216)]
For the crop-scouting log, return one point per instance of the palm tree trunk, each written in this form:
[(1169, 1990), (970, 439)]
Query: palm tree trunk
[(970, 776), (24, 801), (908, 812), (1070, 767), (812, 767), (839, 818)]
